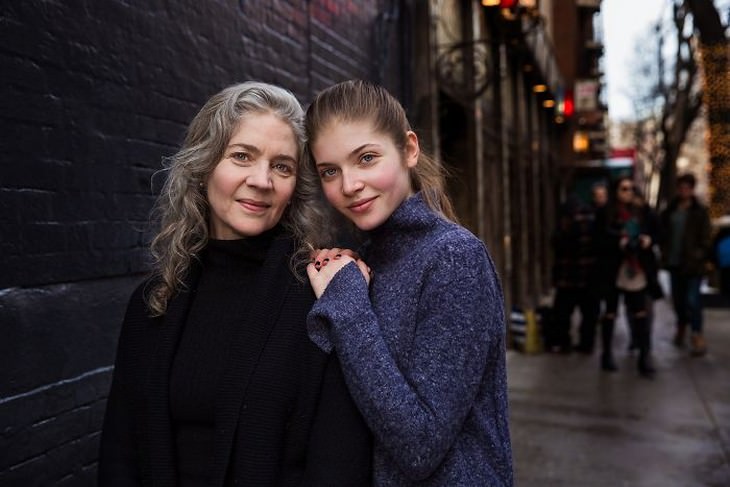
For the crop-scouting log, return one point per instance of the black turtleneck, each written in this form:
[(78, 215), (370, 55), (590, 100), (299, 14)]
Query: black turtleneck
[(216, 315)]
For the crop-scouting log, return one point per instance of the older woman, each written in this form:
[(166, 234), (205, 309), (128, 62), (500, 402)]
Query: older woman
[(216, 382)]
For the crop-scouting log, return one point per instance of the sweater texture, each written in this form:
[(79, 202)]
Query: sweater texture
[(423, 351), (200, 358)]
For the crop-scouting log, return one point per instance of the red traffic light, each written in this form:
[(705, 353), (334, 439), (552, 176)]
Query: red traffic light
[(500, 3)]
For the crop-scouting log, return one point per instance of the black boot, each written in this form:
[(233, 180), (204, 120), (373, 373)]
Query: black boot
[(633, 341), (607, 362), (643, 338)]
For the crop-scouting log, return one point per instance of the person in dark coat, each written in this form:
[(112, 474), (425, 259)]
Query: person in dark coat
[(420, 328), (215, 381), (686, 249), (626, 246), (573, 278)]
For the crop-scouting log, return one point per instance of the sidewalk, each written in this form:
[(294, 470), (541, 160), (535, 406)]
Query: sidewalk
[(574, 425)]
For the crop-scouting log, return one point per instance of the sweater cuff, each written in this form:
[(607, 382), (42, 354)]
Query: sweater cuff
[(340, 299)]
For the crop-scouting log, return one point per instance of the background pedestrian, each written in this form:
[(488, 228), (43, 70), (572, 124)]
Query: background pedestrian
[(685, 251)]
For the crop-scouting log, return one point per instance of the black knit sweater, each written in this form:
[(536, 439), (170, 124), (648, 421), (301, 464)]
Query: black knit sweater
[(229, 268), (231, 380)]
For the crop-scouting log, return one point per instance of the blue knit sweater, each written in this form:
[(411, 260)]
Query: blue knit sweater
[(423, 352)]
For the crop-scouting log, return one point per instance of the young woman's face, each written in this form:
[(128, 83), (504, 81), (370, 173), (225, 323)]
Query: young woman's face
[(251, 186), (625, 191), (363, 174)]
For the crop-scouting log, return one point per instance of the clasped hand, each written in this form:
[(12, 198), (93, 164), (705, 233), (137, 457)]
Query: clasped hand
[(326, 263), (644, 241)]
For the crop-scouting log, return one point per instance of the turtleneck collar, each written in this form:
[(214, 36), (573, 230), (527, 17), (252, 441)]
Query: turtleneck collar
[(250, 250), (406, 223), (412, 213)]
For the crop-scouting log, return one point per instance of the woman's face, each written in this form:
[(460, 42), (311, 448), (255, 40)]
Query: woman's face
[(252, 184), (625, 191), (364, 175)]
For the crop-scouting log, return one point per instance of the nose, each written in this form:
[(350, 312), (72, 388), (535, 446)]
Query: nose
[(351, 183), (260, 175)]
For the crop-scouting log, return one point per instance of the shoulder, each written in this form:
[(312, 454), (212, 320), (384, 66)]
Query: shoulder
[(700, 207), (138, 328), (138, 319), (137, 304), (460, 277), (454, 252), (672, 206), (451, 237)]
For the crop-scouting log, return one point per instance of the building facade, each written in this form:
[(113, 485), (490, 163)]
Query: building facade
[(499, 111), (578, 40)]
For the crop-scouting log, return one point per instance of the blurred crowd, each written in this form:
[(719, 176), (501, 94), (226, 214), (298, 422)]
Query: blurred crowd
[(609, 251)]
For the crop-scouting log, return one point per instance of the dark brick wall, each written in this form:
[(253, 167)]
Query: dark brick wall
[(94, 95)]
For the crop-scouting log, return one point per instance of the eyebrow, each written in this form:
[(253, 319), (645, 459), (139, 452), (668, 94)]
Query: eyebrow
[(358, 149), (353, 152), (256, 151)]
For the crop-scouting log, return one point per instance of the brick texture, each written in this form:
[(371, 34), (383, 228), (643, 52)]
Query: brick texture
[(94, 95)]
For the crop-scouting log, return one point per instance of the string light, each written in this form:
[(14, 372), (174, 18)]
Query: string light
[(716, 96)]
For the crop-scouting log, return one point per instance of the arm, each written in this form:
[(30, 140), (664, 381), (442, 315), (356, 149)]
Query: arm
[(417, 411), (118, 454)]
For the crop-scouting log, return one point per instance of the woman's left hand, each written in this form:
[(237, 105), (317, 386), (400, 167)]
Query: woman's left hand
[(328, 262)]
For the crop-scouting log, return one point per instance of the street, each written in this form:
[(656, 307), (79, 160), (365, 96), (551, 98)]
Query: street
[(574, 425)]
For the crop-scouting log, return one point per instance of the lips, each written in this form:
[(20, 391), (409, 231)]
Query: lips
[(254, 206), (362, 205)]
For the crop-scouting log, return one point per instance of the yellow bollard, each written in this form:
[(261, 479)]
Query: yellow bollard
[(532, 333)]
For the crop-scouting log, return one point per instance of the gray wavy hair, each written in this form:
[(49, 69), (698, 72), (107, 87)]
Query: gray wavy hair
[(182, 210)]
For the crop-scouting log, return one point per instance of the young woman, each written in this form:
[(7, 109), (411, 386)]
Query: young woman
[(216, 382), (420, 328), (627, 248)]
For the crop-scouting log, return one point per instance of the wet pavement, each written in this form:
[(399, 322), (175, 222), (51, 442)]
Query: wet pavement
[(574, 425)]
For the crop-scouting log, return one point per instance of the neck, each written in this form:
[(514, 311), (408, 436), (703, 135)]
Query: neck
[(685, 202)]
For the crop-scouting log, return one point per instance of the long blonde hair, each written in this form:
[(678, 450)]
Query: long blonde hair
[(358, 100), (182, 211)]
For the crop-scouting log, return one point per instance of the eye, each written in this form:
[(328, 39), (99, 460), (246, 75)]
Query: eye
[(328, 173), (283, 168), (367, 158), (241, 156)]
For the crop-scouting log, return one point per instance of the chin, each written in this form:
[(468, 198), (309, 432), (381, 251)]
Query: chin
[(367, 225)]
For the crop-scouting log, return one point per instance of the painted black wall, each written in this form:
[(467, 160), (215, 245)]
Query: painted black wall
[(94, 95)]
